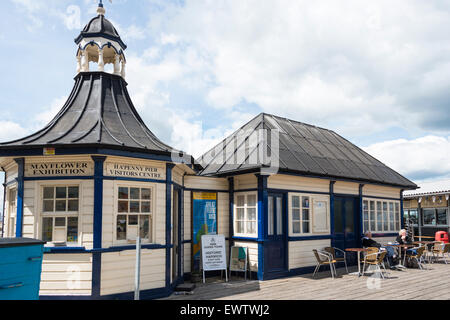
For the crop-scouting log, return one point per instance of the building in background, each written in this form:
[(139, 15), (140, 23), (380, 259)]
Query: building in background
[(428, 207)]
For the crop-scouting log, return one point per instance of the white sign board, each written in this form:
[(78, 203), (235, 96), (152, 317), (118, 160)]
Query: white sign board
[(57, 169), (213, 253), (134, 171)]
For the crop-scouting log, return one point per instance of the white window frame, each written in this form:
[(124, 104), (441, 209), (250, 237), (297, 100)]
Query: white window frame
[(313, 198), (152, 214), (246, 220), (60, 214), (384, 213), (10, 217)]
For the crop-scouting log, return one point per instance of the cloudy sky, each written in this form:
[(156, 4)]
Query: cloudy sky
[(376, 72)]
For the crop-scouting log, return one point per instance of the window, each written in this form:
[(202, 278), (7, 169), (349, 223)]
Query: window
[(435, 216), (60, 210), (12, 210), (308, 214), (300, 214), (412, 215), (246, 217), (381, 216), (134, 214)]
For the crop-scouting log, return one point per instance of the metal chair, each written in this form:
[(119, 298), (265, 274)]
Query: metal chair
[(324, 258), (418, 256), (375, 258), (441, 249), (332, 251)]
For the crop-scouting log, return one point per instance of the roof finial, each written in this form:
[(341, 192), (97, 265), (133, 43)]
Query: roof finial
[(100, 9)]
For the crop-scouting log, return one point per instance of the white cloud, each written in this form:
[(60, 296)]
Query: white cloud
[(49, 113), (419, 159), (10, 130), (356, 67), (72, 17)]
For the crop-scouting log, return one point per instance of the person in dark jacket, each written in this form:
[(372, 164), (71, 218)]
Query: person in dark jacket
[(403, 238), (367, 242)]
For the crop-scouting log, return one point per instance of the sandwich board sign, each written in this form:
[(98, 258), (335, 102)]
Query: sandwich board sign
[(213, 254), (239, 260)]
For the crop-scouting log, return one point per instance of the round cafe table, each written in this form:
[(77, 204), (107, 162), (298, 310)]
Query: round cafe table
[(358, 254)]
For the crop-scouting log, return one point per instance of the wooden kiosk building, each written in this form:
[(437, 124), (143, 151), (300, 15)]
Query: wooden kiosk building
[(96, 177)]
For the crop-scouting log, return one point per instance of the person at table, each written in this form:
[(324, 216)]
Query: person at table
[(403, 238), (367, 242)]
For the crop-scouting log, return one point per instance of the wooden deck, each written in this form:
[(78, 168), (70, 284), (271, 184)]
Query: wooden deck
[(410, 284)]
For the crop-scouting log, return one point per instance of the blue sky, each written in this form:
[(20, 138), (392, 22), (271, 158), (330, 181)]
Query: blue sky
[(376, 72)]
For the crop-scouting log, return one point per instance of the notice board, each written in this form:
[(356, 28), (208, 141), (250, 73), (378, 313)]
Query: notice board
[(213, 253)]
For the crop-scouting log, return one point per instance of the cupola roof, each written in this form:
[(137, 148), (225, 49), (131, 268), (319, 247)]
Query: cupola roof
[(100, 27)]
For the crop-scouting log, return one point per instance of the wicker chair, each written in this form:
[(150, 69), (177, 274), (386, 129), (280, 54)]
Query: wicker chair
[(324, 258), (441, 249), (375, 258), (418, 256), (332, 251)]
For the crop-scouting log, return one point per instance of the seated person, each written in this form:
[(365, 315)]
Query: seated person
[(403, 238), (367, 241)]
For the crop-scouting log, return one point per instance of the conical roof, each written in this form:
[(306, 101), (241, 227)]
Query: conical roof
[(98, 112), (301, 148), (100, 27)]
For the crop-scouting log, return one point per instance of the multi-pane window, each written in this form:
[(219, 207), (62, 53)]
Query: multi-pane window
[(12, 210), (435, 216), (301, 214), (246, 215), (381, 216), (60, 209), (134, 214)]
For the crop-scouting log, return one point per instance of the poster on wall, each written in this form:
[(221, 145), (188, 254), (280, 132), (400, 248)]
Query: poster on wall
[(204, 222)]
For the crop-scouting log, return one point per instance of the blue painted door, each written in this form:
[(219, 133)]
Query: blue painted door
[(275, 256), (346, 226)]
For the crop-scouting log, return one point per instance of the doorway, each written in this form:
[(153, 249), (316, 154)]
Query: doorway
[(275, 256), (346, 227)]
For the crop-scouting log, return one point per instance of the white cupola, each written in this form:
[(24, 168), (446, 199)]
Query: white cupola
[(100, 42)]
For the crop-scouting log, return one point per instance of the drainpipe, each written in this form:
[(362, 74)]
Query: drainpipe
[(4, 200)]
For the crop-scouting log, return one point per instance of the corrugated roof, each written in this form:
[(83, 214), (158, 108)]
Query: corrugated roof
[(429, 188), (303, 148), (99, 111)]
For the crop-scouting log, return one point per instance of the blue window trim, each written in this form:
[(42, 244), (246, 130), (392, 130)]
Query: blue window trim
[(134, 179), (59, 178), (205, 190), (169, 167), (98, 224), (263, 196), (381, 198), (20, 193), (245, 190), (310, 238), (231, 213)]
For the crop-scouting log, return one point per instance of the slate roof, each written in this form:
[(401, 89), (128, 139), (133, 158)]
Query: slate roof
[(98, 112), (100, 27), (303, 149)]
